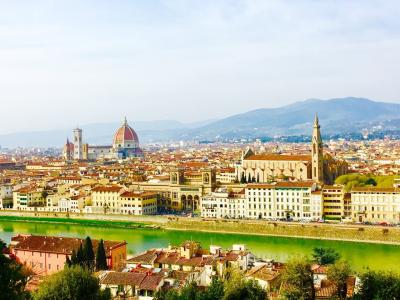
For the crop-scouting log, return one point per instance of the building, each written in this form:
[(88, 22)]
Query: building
[(29, 198), (283, 200), (117, 200), (125, 144), (270, 167), (6, 196), (46, 255), (224, 204), (334, 201), (376, 205)]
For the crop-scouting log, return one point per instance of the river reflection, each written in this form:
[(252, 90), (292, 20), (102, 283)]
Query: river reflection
[(360, 255)]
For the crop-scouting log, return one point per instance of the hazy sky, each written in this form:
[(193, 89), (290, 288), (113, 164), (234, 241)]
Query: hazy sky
[(64, 63)]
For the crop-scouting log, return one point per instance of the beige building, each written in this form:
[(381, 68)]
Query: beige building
[(183, 190), (28, 198), (117, 200), (371, 204), (270, 167)]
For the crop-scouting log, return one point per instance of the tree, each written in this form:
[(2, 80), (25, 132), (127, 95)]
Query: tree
[(237, 287), (79, 255), (249, 178), (379, 285), (297, 280), (325, 256), (101, 258), (12, 279), (74, 258), (243, 178), (215, 291), (338, 274), (71, 284), (88, 254)]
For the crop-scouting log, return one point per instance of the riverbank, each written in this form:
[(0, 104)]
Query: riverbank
[(83, 222), (333, 232)]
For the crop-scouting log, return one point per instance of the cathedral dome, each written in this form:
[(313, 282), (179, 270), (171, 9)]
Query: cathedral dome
[(125, 137)]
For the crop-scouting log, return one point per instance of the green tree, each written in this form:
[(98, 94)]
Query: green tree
[(338, 274), (12, 279), (249, 178), (73, 283), (74, 258), (237, 287), (297, 280), (215, 291), (325, 256), (79, 255), (243, 178), (88, 254), (101, 258), (379, 285)]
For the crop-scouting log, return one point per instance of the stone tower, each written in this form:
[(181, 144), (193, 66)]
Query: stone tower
[(317, 155), (78, 147)]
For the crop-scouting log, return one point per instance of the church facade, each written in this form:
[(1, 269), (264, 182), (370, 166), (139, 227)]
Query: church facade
[(125, 145), (272, 167)]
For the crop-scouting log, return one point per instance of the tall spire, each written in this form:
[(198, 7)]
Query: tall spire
[(316, 121)]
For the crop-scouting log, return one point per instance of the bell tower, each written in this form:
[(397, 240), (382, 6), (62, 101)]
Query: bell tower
[(317, 156), (78, 149)]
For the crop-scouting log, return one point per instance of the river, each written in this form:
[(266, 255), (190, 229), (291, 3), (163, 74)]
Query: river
[(360, 255)]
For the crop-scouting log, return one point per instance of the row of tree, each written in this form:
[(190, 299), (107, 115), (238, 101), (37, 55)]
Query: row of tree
[(234, 286), (86, 258)]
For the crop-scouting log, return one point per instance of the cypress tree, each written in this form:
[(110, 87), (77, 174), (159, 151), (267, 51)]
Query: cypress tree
[(68, 262), (74, 258), (101, 259), (243, 178), (249, 178), (79, 255), (88, 254)]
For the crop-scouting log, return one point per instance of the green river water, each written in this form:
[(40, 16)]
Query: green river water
[(360, 255)]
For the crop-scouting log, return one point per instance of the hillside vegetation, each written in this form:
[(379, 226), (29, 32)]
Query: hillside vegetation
[(360, 180)]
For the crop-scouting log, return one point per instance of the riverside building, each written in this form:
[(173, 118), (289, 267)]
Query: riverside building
[(376, 205)]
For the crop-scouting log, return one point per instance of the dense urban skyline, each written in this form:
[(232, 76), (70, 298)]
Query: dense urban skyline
[(73, 59)]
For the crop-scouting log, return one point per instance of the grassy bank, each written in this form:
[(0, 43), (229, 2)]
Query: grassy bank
[(83, 222), (370, 234)]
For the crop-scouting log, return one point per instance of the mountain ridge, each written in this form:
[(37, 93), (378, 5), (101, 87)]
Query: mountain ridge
[(336, 115)]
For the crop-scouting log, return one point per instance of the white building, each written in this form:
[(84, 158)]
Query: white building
[(283, 200), (375, 205), (222, 204)]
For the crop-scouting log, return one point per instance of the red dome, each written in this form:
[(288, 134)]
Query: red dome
[(125, 134)]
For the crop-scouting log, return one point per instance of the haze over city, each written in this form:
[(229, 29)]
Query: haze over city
[(65, 63)]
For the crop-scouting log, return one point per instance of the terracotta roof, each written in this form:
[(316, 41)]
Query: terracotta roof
[(107, 189), (60, 245), (145, 258), (281, 184), (123, 278), (375, 189), (151, 282), (263, 273), (279, 157)]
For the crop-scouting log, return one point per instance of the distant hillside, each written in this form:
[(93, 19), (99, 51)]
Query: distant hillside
[(342, 115), (337, 116)]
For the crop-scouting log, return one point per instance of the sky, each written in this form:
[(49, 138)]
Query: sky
[(72, 62)]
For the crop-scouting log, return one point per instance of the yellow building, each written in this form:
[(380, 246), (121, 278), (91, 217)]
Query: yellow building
[(333, 201), (117, 200), (28, 198)]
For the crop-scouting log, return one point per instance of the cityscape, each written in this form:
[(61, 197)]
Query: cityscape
[(141, 169)]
